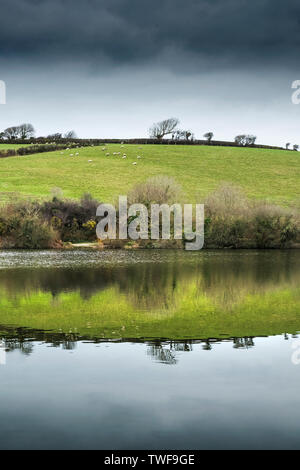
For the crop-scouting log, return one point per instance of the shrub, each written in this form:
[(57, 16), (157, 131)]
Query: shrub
[(227, 201), (8, 153), (34, 234), (232, 220), (72, 219), (21, 227), (156, 190), (274, 227)]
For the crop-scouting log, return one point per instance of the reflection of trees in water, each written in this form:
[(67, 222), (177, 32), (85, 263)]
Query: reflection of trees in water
[(23, 339), (166, 352), (229, 282), (146, 285), (14, 344), (163, 351), (238, 343), (244, 343)]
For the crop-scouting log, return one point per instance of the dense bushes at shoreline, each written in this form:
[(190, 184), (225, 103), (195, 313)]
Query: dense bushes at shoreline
[(234, 221), (21, 226), (231, 220), (47, 224)]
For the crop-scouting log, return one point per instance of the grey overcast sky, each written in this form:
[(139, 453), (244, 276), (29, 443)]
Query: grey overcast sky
[(110, 68)]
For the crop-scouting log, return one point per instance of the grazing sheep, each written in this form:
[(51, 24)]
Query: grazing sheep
[(134, 163), (90, 161), (124, 156), (107, 154)]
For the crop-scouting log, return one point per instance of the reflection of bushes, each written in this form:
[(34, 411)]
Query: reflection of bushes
[(225, 278)]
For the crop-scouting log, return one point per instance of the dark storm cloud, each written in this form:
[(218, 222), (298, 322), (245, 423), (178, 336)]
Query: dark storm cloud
[(139, 31)]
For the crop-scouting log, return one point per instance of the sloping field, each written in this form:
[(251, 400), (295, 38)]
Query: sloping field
[(266, 174)]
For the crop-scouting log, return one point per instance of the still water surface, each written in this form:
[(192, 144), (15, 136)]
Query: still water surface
[(149, 350)]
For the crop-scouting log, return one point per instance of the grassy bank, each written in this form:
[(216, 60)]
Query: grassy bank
[(263, 174), (12, 146)]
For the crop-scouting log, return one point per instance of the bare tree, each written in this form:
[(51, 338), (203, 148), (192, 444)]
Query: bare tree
[(180, 134), (240, 139), (244, 139), (287, 145), (160, 129), (70, 135), (188, 134), (250, 139), (208, 136), (56, 136), (26, 131), (296, 147), (11, 133)]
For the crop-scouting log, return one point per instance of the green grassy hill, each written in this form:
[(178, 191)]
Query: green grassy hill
[(269, 174), (12, 146)]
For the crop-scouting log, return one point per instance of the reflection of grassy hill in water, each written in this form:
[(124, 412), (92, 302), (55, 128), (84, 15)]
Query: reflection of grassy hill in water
[(189, 313), (203, 296)]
